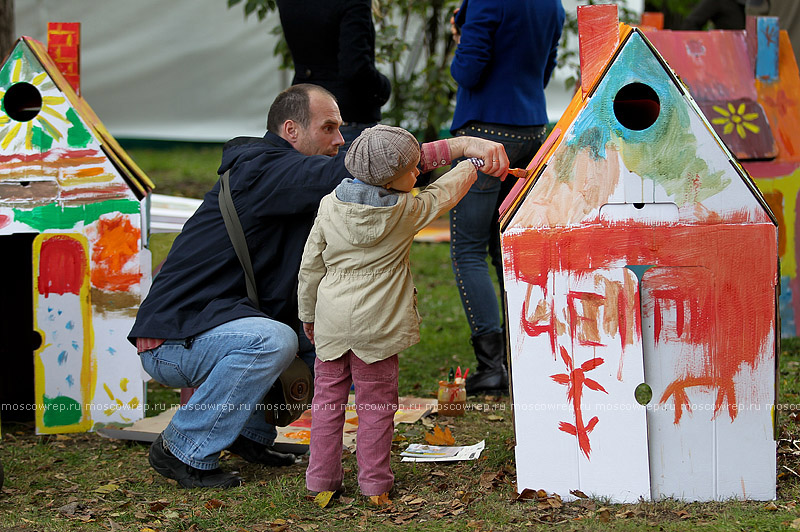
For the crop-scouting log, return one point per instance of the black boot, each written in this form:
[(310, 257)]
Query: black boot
[(491, 375)]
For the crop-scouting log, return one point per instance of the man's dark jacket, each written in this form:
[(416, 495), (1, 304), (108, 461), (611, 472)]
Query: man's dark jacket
[(276, 191), (333, 45)]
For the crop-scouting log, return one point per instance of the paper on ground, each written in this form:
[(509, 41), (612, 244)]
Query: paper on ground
[(440, 453)]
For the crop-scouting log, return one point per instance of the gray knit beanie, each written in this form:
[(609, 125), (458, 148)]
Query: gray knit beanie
[(381, 154)]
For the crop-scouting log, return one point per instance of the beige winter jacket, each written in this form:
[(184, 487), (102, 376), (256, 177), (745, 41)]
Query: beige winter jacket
[(355, 282)]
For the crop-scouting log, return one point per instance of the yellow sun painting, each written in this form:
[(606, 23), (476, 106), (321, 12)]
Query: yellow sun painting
[(54, 124), (735, 118)]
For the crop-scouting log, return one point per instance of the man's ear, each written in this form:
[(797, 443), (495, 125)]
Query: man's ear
[(289, 131)]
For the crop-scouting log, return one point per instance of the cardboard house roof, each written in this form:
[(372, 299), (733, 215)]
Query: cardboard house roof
[(625, 78), (133, 176)]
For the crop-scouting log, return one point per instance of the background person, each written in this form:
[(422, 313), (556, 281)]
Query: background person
[(332, 43), (505, 55)]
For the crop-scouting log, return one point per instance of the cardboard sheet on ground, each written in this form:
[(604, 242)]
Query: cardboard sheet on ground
[(294, 438), (411, 410)]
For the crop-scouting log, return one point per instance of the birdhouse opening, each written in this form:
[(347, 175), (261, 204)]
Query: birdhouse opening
[(636, 106), (22, 102)]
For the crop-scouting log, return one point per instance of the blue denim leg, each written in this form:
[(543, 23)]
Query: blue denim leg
[(470, 230), (475, 234), (233, 366)]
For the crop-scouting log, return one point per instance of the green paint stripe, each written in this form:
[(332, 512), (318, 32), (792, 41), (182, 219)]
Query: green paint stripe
[(53, 216)]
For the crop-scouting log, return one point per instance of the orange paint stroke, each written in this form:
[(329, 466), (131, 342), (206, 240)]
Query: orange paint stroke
[(116, 245)]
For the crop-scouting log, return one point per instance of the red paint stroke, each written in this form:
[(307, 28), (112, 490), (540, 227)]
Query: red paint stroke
[(537, 327), (740, 258), (4, 220), (575, 380), (61, 266), (117, 244), (576, 320)]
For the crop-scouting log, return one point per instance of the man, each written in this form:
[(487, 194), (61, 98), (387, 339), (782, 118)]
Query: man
[(197, 327)]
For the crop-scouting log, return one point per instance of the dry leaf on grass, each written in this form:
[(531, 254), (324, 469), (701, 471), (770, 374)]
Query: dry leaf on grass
[(380, 500), (440, 437), (213, 504), (323, 498)]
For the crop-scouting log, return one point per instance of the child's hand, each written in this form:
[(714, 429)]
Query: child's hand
[(308, 328)]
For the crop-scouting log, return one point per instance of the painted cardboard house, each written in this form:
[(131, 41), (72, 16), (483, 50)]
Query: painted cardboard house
[(641, 274), (756, 112), (72, 234)]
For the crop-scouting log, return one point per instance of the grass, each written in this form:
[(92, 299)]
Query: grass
[(85, 482)]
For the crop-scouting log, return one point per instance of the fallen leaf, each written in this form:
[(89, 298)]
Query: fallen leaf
[(440, 437), (213, 504), (157, 506), (323, 498), (526, 495), (106, 489), (603, 514), (579, 494), (380, 500), (494, 418), (795, 524), (771, 506), (68, 509), (683, 514)]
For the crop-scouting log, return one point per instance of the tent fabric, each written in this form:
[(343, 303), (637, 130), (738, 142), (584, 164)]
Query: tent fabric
[(190, 70)]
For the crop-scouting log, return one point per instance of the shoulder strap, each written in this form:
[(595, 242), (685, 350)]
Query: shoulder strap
[(236, 234)]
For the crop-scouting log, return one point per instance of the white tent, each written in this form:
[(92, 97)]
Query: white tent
[(191, 70)]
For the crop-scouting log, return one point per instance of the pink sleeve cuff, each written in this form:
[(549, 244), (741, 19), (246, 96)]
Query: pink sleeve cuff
[(434, 155)]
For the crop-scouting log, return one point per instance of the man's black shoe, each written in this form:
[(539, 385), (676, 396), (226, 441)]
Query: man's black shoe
[(165, 463), (258, 453)]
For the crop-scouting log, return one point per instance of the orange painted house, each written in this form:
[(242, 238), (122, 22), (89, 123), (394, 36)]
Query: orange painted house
[(641, 279), (72, 230)]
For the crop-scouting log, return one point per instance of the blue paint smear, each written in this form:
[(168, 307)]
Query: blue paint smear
[(112, 351), (75, 345), (786, 310), (70, 325), (597, 125), (70, 380), (62, 358)]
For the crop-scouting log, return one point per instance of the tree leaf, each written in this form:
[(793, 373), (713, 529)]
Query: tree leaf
[(440, 437), (323, 498), (380, 500)]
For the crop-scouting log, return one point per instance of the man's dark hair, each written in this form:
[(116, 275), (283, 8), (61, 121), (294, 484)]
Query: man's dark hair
[(293, 104)]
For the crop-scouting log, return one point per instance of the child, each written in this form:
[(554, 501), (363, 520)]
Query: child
[(358, 302)]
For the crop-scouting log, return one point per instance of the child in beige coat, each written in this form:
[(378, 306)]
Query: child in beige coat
[(358, 302)]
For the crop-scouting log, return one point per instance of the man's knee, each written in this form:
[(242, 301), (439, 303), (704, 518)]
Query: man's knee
[(278, 339)]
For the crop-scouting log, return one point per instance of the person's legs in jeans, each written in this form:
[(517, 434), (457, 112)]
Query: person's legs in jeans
[(332, 382), (474, 233), (233, 366), (376, 403)]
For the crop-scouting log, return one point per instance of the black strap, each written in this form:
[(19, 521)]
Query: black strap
[(236, 234)]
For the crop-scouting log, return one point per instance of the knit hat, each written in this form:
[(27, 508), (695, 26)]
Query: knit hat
[(381, 154)]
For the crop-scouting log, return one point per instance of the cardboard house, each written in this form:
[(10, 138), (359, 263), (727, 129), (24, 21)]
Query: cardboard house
[(747, 85), (641, 273), (72, 232)]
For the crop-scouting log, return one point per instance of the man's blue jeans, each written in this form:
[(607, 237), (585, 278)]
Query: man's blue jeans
[(474, 226), (233, 366)]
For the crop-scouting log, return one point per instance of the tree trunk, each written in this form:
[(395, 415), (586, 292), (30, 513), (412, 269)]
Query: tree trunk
[(7, 32)]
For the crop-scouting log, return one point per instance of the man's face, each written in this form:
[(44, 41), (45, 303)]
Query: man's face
[(322, 137)]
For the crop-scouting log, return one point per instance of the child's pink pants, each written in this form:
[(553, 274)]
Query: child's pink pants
[(376, 403)]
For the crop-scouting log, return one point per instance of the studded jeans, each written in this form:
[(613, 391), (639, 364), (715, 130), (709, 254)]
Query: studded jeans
[(474, 227)]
